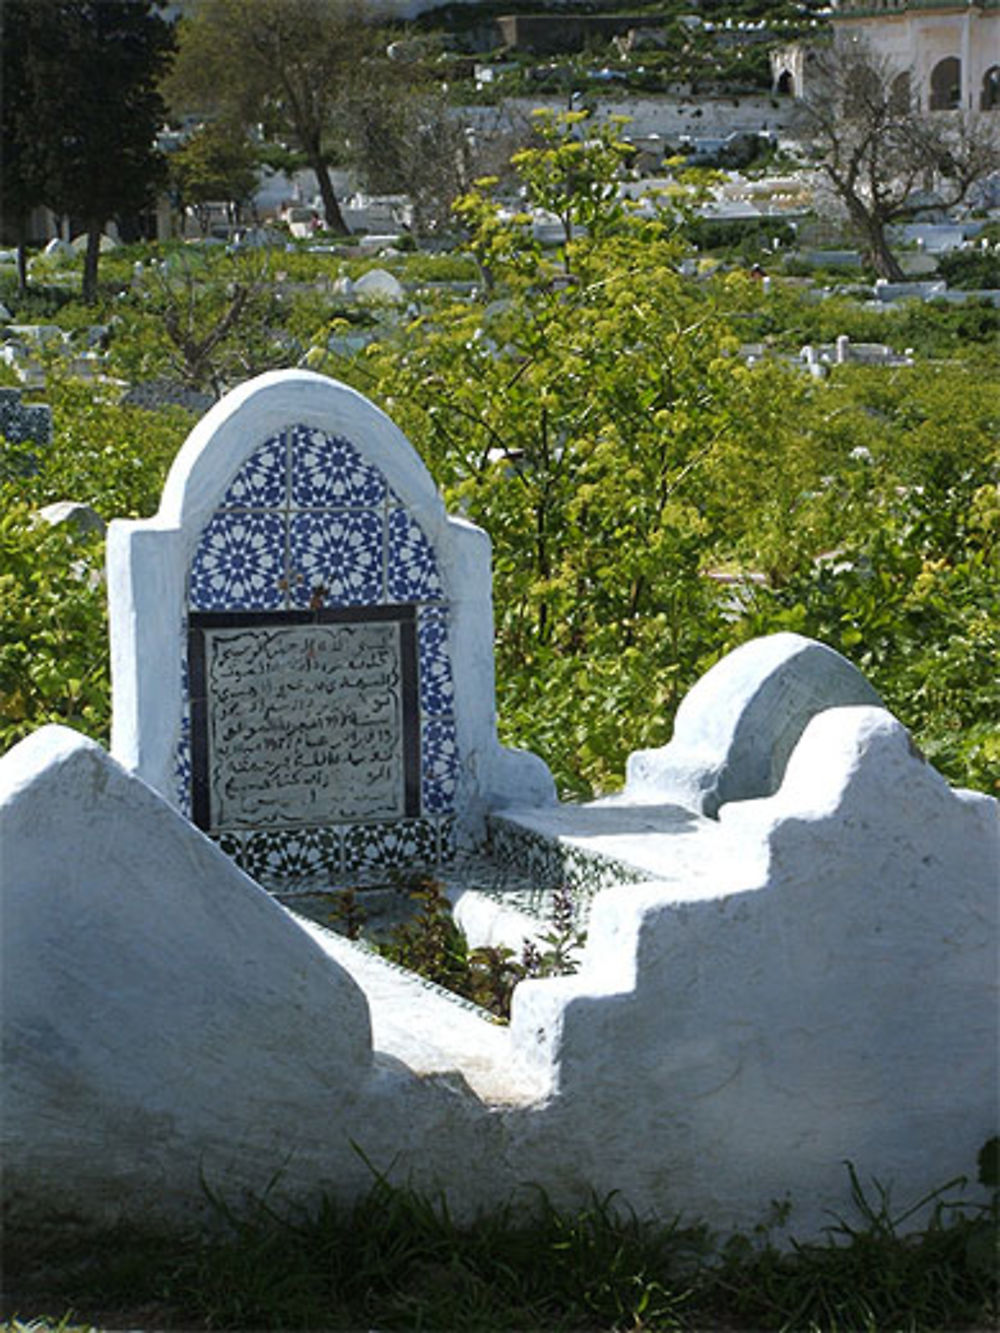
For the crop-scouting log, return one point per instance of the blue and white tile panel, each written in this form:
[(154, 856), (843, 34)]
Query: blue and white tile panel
[(302, 860), (307, 522)]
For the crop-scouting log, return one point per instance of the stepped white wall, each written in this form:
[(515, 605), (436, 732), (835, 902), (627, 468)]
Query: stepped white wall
[(822, 988)]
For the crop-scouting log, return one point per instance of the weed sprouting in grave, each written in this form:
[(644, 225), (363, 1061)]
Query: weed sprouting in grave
[(348, 916), (431, 944), (494, 971), (563, 942)]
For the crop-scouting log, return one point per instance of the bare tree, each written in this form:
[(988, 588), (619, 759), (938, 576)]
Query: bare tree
[(216, 314), (877, 149)]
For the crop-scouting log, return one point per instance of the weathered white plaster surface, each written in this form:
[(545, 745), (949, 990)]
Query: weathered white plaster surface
[(819, 986), (656, 838), (425, 1028), (148, 562), (165, 1021), (828, 992), (735, 729), (152, 994)]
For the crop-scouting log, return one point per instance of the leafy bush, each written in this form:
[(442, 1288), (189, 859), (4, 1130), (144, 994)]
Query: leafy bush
[(973, 270), (617, 451), (592, 413), (53, 649), (789, 317), (746, 236), (54, 645)]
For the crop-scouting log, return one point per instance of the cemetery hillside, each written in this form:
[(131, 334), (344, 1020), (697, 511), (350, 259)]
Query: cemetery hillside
[(499, 691)]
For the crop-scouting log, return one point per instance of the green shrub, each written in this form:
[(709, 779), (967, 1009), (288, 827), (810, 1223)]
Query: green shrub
[(973, 270), (54, 644)]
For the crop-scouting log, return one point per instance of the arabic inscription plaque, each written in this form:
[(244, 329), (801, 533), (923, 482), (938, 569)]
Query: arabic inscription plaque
[(304, 719)]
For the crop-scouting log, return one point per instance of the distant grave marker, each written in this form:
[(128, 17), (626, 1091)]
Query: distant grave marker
[(21, 422)]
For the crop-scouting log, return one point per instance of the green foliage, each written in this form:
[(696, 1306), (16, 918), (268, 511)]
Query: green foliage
[(83, 109), (789, 316), (203, 317), (285, 64), (601, 428), (973, 270), (111, 457), (572, 176), (53, 647), (54, 644), (570, 424), (216, 164), (748, 238), (37, 304), (911, 592), (430, 943), (572, 171)]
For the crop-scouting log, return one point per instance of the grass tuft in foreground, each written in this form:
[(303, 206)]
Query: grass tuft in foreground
[(397, 1260)]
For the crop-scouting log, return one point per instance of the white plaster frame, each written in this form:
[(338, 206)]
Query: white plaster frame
[(148, 559)]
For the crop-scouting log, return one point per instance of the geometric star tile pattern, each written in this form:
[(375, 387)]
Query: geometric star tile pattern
[(307, 522)]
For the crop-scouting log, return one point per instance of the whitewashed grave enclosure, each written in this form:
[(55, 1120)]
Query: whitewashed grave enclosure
[(792, 919)]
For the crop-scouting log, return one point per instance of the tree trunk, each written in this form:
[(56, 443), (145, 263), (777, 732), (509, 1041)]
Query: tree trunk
[(22, 256), (877, 251), (334, 218), (90, 262), (882, 260)]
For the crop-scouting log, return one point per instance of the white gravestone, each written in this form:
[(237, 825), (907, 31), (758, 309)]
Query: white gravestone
[(301, 640), (735, 730)]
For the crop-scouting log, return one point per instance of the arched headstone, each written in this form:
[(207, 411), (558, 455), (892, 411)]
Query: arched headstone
[(302, 643)]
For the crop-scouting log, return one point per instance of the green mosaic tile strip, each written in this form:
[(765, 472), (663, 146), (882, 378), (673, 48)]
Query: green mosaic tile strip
[(303, 860), (552, 862), (374, 850)]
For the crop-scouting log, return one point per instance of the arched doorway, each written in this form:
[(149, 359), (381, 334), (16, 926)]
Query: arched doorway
[(946, 84), (989, 98), (900, 98)]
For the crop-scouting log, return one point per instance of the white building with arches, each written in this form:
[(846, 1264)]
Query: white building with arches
[(948, 50)]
